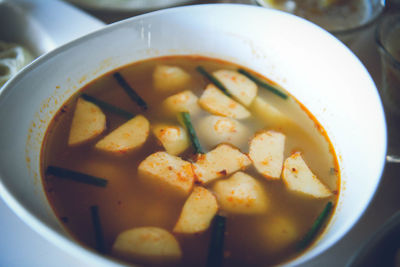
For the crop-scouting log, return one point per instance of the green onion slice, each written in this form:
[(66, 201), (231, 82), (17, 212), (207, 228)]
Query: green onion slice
[(216, 249), (129, 91), (108, 107), (307, 239), (263, 84), (76, 176), (213, 80), (184, 117), (98, 231)]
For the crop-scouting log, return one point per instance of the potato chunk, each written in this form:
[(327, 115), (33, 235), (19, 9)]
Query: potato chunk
[(172, 137), (88, 122), (266, 152), (214, 130), (279, 232), (127, 137), (168, 170), (184, 101), (221, 161), (299, 178), (217, 103), (242, 88), (197, 213), (241, 193), (147, 245), (170, 78), (268, 113)]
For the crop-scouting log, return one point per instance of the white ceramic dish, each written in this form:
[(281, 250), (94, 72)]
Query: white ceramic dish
[(41, 25), (316, 68), (38, 27), (18, 27), (128, 5)]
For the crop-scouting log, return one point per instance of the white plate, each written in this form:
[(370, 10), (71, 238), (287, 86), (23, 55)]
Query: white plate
[(48, 23), (128, 5)]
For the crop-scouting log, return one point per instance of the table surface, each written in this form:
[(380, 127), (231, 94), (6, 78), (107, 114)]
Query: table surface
[(21, 246)]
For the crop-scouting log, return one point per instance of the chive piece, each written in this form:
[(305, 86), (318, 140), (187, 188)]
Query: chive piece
[(128, 89), (109, 107), (98, 232), (213, 80), (216, 248), (315, 227), (76, 176), (263, 84), (185, 119)]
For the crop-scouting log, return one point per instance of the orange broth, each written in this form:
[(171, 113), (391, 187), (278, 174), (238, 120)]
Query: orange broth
[(127, 202)]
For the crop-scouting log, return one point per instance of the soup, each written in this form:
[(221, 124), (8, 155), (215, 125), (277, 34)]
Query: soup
[(189, 153)]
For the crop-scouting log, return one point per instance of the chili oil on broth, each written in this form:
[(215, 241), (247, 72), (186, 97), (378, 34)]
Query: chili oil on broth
[(127, 202)]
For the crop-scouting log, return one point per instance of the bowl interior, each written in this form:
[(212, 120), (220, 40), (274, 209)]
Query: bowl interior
[(310, 63)]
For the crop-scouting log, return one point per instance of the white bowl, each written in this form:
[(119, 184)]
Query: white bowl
[(128, 5), (306, 60)]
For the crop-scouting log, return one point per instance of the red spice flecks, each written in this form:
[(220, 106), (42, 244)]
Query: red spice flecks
[(197, 182), (223, 172), (201, 157), (64, 109)]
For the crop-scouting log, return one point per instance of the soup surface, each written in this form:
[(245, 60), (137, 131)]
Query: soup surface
[(262, 231)]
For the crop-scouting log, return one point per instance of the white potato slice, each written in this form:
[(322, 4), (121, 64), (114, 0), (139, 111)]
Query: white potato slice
[(184, 101), (213, 130), (299, 178), (197, 213), (261, 109), (147, 245), (266, 152), (217, 103), (88, 122), (242, 88), (219, 162), (127, 137), (168, 170), (170, 78), (241, 194), (173, 138), (279, 232)]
